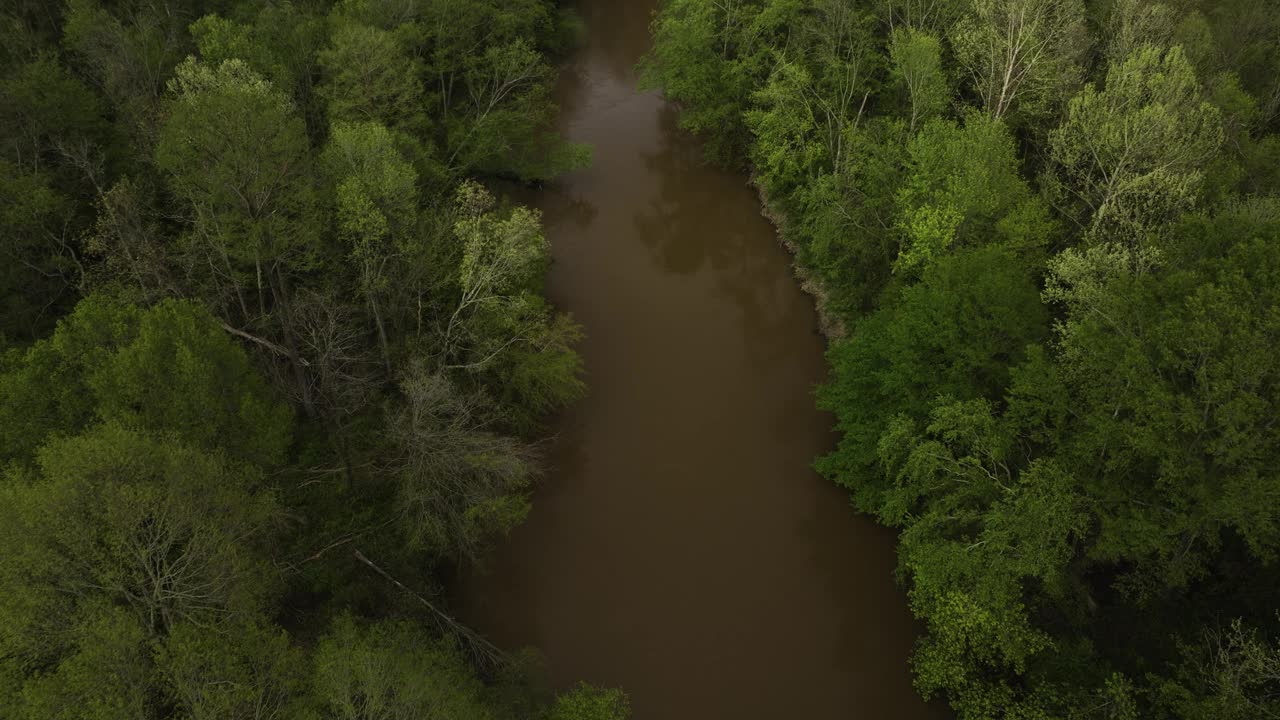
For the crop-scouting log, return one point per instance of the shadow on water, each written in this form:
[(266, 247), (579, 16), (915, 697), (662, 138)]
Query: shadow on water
[(689, 204)]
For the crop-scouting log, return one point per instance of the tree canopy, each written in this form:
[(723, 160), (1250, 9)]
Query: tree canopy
[(274, 355)]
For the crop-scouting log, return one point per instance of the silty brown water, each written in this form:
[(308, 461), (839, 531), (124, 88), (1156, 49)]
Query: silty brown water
[(680, 546)]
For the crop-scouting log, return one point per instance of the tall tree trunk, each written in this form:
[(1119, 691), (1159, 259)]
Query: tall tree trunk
[(382, 330), (280, 293)]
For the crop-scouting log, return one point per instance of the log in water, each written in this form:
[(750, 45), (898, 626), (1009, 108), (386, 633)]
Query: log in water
[(680, 546)]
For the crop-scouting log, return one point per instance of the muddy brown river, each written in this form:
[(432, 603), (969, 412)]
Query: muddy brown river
[(680, 546)]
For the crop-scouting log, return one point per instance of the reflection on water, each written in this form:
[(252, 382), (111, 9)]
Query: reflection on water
[(680, 546)]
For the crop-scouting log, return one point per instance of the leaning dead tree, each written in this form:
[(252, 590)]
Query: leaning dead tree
[(486, 655)]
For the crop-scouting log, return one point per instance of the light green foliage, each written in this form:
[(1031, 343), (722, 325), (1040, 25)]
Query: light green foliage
[(500, 323), (815, 99), (170, 369), (237, 154), (917, 67), (1022, 56), (1131, 155), (500, 255), (365, 226), (220, 40), (589, 703), (278, 41), (367, 168), (368, 76), (377, 203), (792, 149), (702, 58), (977, 533), (394, 670), (929, 231), (962, 187)]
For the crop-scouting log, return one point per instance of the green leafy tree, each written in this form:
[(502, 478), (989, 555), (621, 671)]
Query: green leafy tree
[(499, 322), (106, 673), (237, 154), (245, 671), (170, 369), (220, 40), (114, 541), (370, 77), (1021, 56), (377, 203), (955, 333), (1168, 363), (281, 42), (962, 187), (843, 223), (394, 670), (1131, 156), (917, 67), (979, 532), (814, 100), (703, 57)]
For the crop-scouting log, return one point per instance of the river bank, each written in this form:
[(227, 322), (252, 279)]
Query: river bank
[(832, 327)]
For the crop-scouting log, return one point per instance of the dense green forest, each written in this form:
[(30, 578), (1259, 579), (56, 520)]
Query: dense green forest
[(273, 360), (1047, 237)]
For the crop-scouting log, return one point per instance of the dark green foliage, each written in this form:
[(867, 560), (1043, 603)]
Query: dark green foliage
[(1059, 371), (955, 333), (57, 146), (169, 369)]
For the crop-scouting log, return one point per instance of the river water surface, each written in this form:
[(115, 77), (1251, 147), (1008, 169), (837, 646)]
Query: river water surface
[(680, 547)]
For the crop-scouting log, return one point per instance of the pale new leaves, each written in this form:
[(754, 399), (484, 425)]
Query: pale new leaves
[(1130, 156), (1021, 55)]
